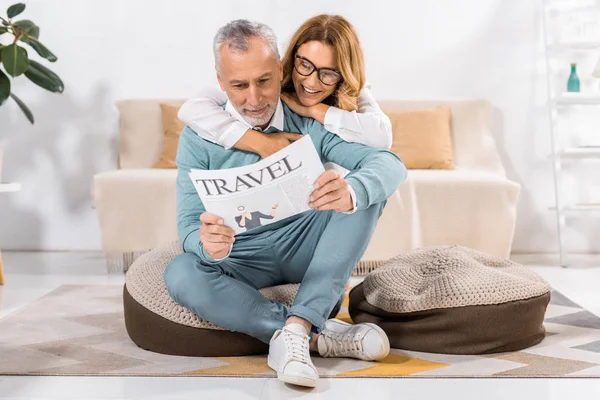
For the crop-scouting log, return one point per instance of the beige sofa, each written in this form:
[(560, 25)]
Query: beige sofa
[(473, 205)]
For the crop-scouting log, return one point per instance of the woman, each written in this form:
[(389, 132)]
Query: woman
[(323, 78)]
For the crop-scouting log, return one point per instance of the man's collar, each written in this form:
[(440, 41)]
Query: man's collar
[(276, 120)]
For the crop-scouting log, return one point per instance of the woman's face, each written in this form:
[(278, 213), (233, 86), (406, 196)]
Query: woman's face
[(310, 89)]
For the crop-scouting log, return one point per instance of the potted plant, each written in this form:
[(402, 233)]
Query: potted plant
[(15, 61)]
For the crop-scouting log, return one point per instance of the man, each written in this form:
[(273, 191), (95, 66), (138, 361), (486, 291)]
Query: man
[(252, 219), (219, 275)]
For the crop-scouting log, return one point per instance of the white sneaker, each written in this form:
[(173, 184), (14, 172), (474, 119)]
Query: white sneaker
[(363, 341), (289, 355)]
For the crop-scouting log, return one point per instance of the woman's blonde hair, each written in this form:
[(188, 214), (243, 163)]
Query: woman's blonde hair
[(337, 32)]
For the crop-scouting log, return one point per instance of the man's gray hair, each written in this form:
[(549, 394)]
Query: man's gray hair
[(236, 34)]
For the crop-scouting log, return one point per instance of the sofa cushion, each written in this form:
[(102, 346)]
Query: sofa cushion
[(141, 131), (473, 142), (155, 322), (455, 300), (422, 138), (172, 127)]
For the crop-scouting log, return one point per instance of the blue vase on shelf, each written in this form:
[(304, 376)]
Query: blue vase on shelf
[(573, 82)]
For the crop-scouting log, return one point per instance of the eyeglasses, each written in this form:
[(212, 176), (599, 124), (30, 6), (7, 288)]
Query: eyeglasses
[(327, 76)]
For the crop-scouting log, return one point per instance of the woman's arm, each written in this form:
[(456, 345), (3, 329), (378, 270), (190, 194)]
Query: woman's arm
[(368, 126), (206, 116)]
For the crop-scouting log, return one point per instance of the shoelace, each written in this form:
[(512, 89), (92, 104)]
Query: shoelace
[(338, 345), (298, 344)]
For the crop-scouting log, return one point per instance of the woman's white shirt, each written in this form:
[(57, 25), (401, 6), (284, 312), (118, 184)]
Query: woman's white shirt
[(369, 125)]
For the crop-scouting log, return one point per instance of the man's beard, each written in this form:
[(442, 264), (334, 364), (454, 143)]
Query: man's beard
[(259, 120)]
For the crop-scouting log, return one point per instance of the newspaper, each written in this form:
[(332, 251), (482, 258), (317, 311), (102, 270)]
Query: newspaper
[(270, 190)]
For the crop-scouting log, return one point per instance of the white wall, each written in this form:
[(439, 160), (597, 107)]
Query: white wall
[(111, 49)]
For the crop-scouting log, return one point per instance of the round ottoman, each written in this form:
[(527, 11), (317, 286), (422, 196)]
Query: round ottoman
[(155, 322), (453, 300)]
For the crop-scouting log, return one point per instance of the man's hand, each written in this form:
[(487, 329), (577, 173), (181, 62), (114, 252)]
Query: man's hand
[(331, 193), (273, 142), (216, 238)]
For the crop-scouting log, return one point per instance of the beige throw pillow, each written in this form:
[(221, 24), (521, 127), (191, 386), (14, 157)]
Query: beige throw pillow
[(422, 138), (172, 127)]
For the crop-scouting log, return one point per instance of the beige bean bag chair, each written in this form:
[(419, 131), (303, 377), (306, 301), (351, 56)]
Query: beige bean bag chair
[(156, 323), (453, 300)]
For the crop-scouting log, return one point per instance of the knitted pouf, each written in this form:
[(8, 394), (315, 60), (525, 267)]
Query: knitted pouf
[(453, 300), (155, 322)]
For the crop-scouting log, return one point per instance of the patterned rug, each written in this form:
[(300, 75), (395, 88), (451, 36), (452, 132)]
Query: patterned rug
[(79, 330)]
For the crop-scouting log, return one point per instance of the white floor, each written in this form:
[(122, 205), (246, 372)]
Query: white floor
[(31, 275)]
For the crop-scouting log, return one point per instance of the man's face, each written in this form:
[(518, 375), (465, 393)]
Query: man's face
[(252, 81)]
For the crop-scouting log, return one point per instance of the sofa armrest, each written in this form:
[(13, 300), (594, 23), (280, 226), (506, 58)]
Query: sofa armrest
[(136, 208)]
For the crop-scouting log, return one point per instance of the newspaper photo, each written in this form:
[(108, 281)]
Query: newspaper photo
[(270, 190)]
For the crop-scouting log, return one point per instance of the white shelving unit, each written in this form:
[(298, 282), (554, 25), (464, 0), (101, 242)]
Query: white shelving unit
[(10, 187), (555, 103), (573, 46), (574, 99), (579, 152), (579, 207)]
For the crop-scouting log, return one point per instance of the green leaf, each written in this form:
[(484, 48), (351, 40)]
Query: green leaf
[(3, 30), (35, 32), (4, 87), (28, 27), (15, 59), (39, 48), (15, 10), (23, 107), (43, 77)]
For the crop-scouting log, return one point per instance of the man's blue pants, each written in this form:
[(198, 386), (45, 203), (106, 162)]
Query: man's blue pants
[(318, 249)]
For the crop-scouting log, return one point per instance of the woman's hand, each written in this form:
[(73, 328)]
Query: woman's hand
[(265, 144), (317, 111), (273, 142), (291, 99)]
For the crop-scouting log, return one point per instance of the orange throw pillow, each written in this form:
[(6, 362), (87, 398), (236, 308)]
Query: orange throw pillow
[(172, 127), (423, 138)]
